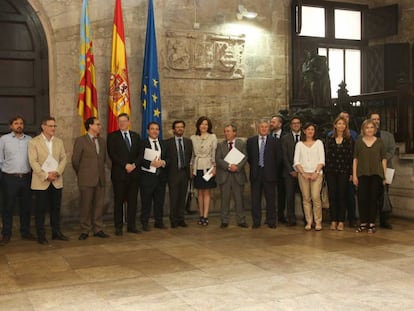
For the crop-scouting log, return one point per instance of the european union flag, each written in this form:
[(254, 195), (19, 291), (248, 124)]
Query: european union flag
[(150, 91)]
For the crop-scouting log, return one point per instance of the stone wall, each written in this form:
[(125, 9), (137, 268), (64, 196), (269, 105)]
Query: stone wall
[(263, 90)]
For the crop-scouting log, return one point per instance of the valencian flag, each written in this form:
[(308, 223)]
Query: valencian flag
[(87, 99), (118, 85), (150, 91)]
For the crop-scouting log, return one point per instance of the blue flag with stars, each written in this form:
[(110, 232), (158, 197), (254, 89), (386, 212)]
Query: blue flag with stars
[(150, 91)]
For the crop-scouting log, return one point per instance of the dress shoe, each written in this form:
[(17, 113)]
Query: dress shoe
[(118, 232), (59, 236), (272, 226), (145, 227), (256, 226), (182, 224), (29, 237), (318, 227), (134, 230), (5, 240), (386, 225), (83, 236), (243, 225), (224, 225), (42, 240), (101, 234), (160, 226)]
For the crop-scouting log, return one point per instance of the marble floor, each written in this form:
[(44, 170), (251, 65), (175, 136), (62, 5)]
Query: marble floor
[(208, 268)]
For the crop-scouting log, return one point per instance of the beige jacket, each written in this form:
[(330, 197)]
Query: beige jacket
[(38, 153)]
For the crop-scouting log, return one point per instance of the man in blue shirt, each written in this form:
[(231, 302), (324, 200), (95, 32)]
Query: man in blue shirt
[(16, 178)]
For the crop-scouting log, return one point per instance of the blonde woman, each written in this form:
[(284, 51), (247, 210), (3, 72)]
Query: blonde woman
[(308, 161), (368, 173)]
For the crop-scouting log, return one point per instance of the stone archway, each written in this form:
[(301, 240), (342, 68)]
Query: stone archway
[(24, 82)]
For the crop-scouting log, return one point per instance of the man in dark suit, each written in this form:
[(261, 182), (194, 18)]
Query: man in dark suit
[(88, 161), (276, 130), (231, 177), (123, 149), (290, 175), (264, 157), (179, 150), (153, 177)]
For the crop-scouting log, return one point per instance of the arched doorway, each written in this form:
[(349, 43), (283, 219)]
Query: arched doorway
[(24, 81)]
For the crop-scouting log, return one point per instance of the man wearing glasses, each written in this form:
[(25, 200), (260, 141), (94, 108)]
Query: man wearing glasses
[(47, 158)]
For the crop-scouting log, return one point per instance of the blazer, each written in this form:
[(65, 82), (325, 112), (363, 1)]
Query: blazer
[(222, 171), (38, 153), (120, 155), (172, 154), (87, 163), (272, 158), (145, 143), (288, 149)]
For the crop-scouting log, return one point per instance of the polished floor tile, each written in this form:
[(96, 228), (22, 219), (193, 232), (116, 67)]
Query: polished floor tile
[(208, 268)]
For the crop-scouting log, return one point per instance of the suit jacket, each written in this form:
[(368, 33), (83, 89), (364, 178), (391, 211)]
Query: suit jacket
[(145, 143), (38, 153), (120, 155), (222, 166), (87, 163), (389, 143), (172, 154), (272, 158), (288, 148)]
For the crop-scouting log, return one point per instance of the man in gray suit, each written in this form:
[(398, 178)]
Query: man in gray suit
[(88, 161), (389, 143), (231, 177)]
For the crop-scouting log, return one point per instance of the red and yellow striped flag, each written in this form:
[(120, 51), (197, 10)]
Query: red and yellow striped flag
[(88, 98), (119, 101)]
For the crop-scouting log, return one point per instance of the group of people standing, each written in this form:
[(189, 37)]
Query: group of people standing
[(280, 162)]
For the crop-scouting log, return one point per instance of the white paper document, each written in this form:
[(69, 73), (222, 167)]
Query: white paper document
[(234, 156), (207, 176), (389, 175), (150, 155), (50, 165)]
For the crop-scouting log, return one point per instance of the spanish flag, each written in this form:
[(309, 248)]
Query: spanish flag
[(118, 100), (88, 98)]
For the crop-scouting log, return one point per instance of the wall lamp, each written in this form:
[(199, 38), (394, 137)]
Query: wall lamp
[(242, 12)]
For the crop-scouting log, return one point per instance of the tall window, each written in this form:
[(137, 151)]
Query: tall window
[(334, 30)]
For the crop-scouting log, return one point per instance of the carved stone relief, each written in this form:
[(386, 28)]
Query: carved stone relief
[(195, 55)]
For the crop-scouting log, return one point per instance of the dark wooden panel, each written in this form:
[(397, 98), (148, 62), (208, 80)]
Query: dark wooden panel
[(20, 73), (381, 22), (16, 36), (11, 106), (396, 64)]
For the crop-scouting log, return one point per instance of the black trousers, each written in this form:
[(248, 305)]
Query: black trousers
[(16, 187), (259, 187), (281, 197), (152, 189), (292, 187), (125, 190), (48, 200), (337, 191), (177, 187), (369, 191)]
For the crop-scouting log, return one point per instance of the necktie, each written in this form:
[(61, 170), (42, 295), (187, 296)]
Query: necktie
[(230, 145), (155, 145), (95, 141), (180, 154), (127, 140), (261, 152), (296, 138)]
